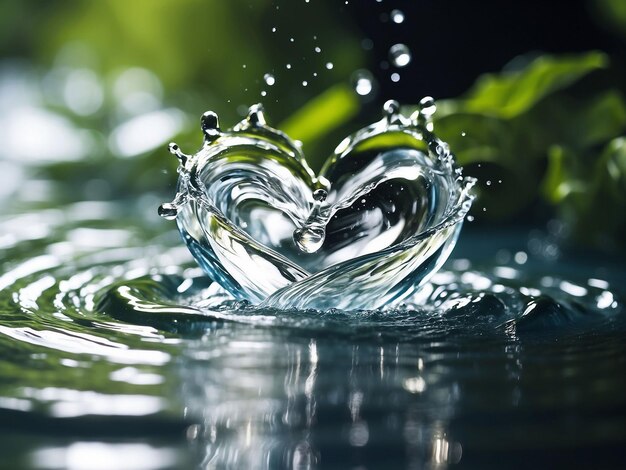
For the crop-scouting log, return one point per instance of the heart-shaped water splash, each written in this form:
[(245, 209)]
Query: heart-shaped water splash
[(381, 217)]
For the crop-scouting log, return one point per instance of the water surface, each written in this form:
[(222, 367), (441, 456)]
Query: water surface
[(114, 344)]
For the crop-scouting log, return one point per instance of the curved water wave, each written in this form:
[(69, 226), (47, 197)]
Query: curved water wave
[(382, 216)]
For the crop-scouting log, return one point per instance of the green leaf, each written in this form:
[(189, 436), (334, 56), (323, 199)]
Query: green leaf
[(559, 183), (510, 94), (613, 164)]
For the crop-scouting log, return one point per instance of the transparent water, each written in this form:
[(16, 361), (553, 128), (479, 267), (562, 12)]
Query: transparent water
[(114, 343), (381, 217)]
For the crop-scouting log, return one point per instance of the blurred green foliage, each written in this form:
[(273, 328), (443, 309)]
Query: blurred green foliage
[(547, 133), (213, 54), (552, 131)]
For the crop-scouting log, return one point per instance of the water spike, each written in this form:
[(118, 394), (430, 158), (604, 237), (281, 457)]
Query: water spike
[(210, 125), (175, 150), (391, 107), (256, 115), (310, 237), (168, 210), (427, 107)]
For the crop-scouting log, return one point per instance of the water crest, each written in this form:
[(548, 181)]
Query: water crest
[(382, 215)]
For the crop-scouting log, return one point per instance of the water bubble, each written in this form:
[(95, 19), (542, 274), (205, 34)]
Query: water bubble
[(400, 55), (264, 93), (395, 77), (318, 49), (488, 182), (363, 82), (273, 29), (269, 79), (288, 66), (397, 16), (463, 134), (329, 65), (291, 39), (244, 66), (305, 83), (470, 218)]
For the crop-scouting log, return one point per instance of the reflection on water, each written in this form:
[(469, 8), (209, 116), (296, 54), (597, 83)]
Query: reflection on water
[(286, 403)]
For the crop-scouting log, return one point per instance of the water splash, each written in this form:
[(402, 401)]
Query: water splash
[(381, 217)]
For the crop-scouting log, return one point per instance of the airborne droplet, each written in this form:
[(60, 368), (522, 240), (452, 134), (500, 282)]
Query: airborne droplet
[(168, 211), (397, 16), (363, 82), (400, 55), (269, 79)]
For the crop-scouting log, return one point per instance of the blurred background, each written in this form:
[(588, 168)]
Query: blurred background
[(530, 95)]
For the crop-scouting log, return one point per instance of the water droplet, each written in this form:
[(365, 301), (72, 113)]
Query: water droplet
[(329, 65), (400, 55), (463, 134), (264, 93), (310, 238), (391, 107), (210, 125), (291, 39), (363, 82), (318, 49), (305, 83), (397, 16), (395, 77), (288, 66), (320, 195), (269, 79), (168, 211), (274, 30), (488, 182), (427, 106), (470, 218), (315, 74)]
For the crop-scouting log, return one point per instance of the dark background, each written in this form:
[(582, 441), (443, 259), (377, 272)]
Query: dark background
[(454, 41)]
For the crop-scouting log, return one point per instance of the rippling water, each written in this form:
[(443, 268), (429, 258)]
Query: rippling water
[(115, 351)]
